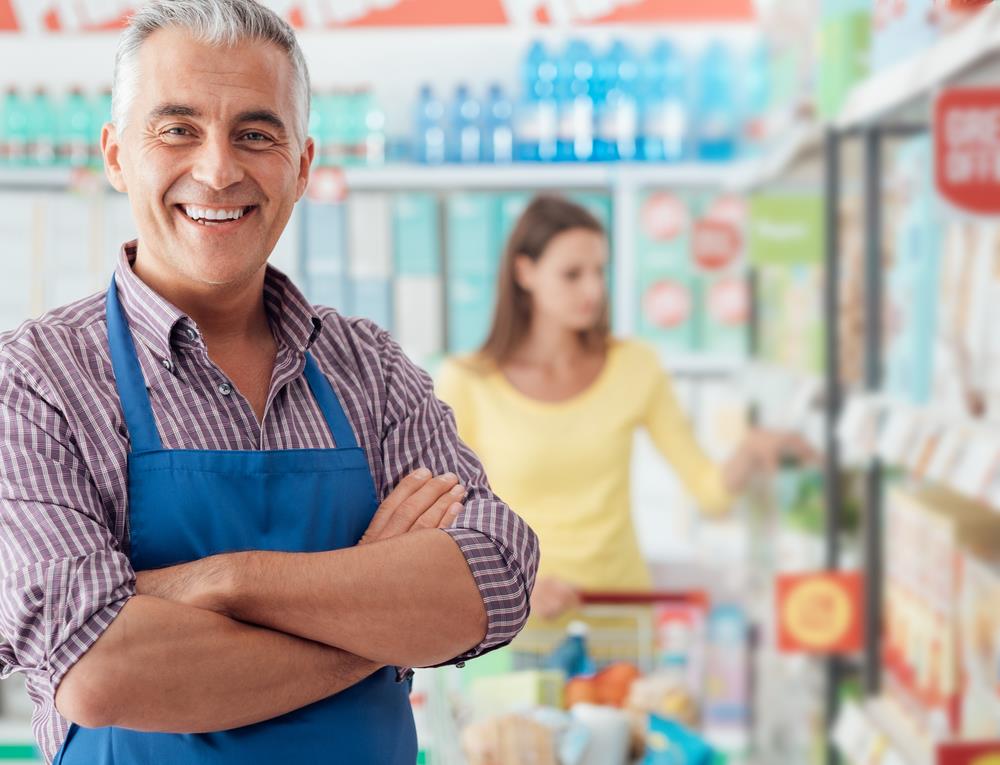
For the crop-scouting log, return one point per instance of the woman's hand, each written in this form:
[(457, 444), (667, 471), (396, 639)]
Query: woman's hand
[(762, 452), (553, 597)]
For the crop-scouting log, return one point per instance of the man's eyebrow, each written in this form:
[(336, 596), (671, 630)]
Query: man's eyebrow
[(173, 110), (262, 115)]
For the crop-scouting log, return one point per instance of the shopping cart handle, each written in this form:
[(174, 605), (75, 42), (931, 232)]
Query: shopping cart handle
[(654, 597)]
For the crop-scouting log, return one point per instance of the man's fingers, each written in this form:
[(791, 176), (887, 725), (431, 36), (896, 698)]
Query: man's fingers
[(414, 506), (435, 516), (403, 491), (451, 516)]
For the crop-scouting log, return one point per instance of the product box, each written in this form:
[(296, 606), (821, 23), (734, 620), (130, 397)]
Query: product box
[(473, 223), (517, 691), (324, 246), (415, 235), (913, 279), (979, 636), (667, 286), (725, 316), (727, 670), (901, 29), (928, 534), (845, 45)]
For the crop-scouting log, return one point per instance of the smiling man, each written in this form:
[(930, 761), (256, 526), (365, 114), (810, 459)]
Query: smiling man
[(195, 566)]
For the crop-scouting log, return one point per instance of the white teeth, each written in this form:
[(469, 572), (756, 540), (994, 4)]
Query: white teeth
[(205, 213)]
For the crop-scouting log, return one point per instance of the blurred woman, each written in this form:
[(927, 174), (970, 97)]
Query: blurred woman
[(551, 401)]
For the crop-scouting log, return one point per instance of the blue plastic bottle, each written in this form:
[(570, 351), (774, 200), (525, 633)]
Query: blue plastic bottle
[(717, 111), (429, 136), (498, 130), (75, 130), (756, 100), (666, 123), (618, 114), (14, 130), (574, 95), (465, 127), (536, 118), (42, 129), (571, 656)]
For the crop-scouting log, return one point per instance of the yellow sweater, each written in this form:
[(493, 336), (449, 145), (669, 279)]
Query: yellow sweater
[(565, 466)]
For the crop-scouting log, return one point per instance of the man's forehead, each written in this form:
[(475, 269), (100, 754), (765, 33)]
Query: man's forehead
[(175, 68), (176, 54)]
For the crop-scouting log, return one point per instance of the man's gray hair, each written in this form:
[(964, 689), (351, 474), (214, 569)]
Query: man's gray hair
[(214, 22)]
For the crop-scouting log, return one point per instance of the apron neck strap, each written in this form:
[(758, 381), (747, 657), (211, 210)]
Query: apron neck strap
[(135, 398), (329, 404), (128, 377)]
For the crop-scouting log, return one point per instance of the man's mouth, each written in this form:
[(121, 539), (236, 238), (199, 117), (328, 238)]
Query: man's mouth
[(215, 216)]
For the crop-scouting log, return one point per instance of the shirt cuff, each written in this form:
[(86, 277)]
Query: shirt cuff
[(72, 650), (501, 586)]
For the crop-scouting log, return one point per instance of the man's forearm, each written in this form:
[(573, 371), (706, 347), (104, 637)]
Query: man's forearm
[(168, 667), (410, 600)]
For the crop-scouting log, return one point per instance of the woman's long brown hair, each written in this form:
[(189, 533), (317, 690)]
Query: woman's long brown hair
[(546, 217)]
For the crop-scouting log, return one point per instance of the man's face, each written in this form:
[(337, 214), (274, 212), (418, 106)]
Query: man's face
[(209, 157)]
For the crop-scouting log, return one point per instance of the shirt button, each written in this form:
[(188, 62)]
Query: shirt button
[(167, 364), (225, 389), (191, 334)]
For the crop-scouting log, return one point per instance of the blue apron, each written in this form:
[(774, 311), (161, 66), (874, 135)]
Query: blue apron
[(188, 504)]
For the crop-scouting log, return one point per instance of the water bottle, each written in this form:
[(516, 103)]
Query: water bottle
[(756, 100), (465, 127), (717, 112), (429, 138), (42, 130), (498, 130), (572, 656), (574, 95), (75, 131), (664, 136), (537, 117), (14, 130), (618, 104), (374, 128)]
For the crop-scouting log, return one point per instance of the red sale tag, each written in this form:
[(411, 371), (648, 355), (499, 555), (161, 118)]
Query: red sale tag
[(967, 148)]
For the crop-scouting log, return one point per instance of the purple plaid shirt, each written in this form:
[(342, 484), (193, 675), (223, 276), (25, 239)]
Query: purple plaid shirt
[(64, 574)]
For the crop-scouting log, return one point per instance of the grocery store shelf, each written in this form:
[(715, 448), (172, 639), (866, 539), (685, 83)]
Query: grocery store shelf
[(702, 365), (934, 443), (916, 78), (538, 176), (802, 142)]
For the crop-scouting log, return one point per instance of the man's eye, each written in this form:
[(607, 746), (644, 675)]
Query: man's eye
[(256, 137), (176, 131)]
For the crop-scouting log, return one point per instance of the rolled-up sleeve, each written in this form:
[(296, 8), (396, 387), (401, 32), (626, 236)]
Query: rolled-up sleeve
[(63, 578), (500, 548)]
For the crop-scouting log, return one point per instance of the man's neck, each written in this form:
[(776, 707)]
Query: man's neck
[(226, 315)]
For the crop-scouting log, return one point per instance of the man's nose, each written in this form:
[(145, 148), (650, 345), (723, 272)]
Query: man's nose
[(217, 164)]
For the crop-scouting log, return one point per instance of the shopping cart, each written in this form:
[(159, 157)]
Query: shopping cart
[(654, 631), (641, 628)]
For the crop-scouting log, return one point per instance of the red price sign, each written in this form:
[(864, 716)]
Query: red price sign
[(820, 613), (967, 148)]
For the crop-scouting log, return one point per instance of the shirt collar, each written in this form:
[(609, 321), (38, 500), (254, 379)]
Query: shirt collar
[(161, 326)]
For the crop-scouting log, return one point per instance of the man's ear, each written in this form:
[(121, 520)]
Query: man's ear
[(305, 167), (111, 149)]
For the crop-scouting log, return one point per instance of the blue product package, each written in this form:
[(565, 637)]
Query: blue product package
[(669, 743)]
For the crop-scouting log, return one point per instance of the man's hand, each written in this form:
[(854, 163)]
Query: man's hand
[(418, 502)]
